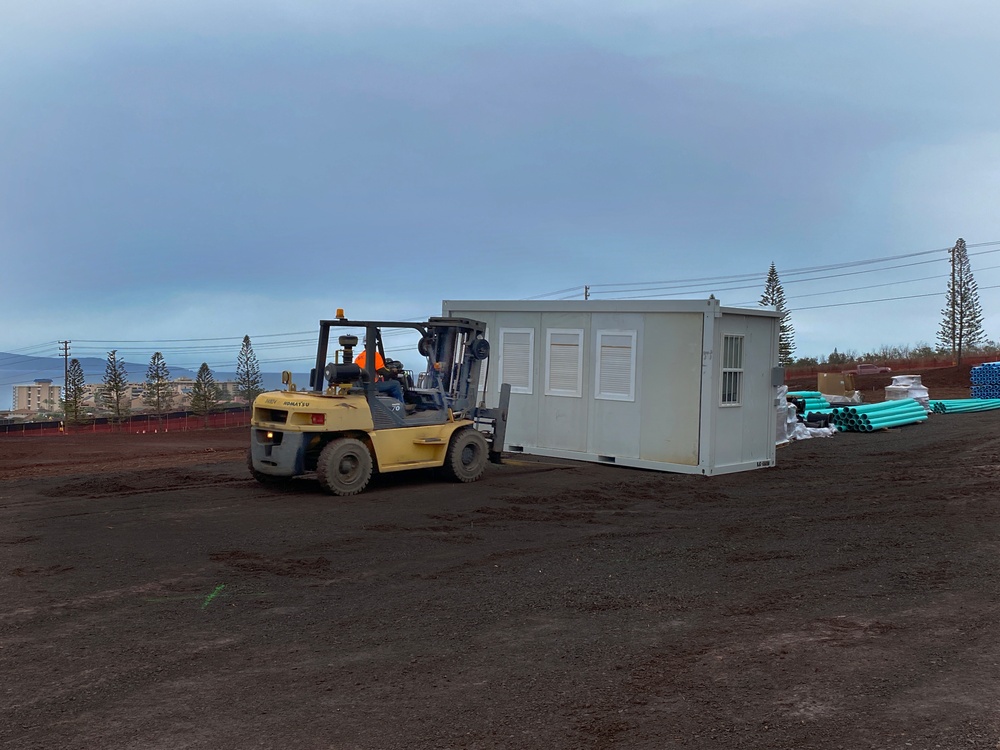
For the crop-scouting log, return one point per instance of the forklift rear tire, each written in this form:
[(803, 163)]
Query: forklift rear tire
[(345, 466), (467, 455)]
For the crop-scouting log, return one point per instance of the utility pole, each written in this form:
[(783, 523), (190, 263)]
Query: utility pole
[(586, 291), (65, 352)]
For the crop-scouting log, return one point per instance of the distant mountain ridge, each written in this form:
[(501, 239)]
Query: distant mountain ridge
[(93, 368), (18, 369)]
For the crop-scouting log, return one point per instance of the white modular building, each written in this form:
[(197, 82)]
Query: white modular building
[(686, 386)]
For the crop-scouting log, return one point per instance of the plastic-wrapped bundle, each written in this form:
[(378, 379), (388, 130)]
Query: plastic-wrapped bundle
[(784, 419), (908, 386)]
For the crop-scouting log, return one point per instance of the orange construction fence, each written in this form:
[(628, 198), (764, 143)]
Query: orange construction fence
[(139, 423)]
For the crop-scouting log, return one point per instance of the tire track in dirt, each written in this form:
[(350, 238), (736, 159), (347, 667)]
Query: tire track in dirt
[(106, 488)]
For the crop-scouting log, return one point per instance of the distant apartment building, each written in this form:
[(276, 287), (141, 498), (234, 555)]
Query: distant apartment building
[(40, 396), (133, 394), (182, 388), (229, 390)]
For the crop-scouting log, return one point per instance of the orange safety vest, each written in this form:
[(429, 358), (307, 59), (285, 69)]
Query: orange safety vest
[(362, 358)]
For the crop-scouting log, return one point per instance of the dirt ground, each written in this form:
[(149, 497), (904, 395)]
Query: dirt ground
[(941, 382), (153, 596)]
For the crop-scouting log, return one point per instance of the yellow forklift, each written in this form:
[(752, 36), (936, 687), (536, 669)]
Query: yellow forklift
[(356, 419)]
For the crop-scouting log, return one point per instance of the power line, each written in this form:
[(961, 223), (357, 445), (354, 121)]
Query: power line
[(25, 353), (884, 299), (785, 273), (175, 341), (860, 288), (132, 350), (144, 345), (580, 287), (31, 347), (682, 286), (183, 357), (795, 281), (151, 343)]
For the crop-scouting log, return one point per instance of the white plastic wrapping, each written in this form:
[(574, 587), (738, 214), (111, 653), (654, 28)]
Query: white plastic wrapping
[(852, 398), (908, 386), (787, 424), (781, 435), (804, 433), (781, 407)]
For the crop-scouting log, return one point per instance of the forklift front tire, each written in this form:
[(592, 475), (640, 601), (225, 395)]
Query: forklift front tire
[(467, 455)]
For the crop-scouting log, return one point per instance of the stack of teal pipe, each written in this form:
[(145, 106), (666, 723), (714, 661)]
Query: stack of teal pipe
[(961, 405), (871, 417), (814, 400)]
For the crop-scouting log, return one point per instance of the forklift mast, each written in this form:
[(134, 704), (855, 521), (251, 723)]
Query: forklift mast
[(454, 348)]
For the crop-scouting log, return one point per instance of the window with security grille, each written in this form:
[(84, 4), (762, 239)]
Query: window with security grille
[(732, 370), (564, 362), (615, 376), (517, 347)]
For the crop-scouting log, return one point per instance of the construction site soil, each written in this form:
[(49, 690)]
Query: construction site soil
[(941, 382), (153, 596)]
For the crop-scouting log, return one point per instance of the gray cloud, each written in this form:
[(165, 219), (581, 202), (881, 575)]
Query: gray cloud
[(153, 150)]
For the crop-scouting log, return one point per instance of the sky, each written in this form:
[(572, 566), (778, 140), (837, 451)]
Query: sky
[(176, 174)]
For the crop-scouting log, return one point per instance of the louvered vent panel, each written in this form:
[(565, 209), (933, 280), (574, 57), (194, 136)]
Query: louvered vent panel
[(517, 360), (564, 363), (616, 366)]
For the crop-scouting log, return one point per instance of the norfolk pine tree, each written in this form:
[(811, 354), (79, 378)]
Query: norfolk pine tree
[(962, 316), (116, 390), (248, 381), (158, 392), (774, 295), (75, 392), (205, 393)]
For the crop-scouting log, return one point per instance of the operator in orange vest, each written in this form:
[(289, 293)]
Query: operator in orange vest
[(362, 358), (386, 383)]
